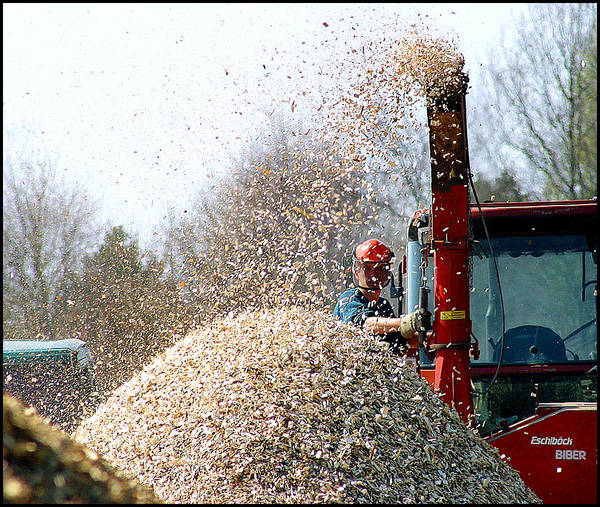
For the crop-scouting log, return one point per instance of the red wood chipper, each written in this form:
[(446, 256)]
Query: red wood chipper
[(512, 287)]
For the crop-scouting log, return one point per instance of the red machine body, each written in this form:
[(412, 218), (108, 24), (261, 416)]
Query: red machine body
[(556, 452), (555, 448), (449, 241), (552, 439), (549, 264)]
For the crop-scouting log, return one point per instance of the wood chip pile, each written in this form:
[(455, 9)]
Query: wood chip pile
[(41, 464), (287, 405)]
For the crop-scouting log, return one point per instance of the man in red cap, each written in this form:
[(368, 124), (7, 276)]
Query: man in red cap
[(365, 307)]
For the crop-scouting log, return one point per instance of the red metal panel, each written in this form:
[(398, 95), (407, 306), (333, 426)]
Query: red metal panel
[(556, 454), (450, 233), (536, 208), (452, 326), (428, 372), (429, 375), (531, 369)]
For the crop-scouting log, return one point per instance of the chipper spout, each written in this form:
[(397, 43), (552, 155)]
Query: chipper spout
[(447, 122)]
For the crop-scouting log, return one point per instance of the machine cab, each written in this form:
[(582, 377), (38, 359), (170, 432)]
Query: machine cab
[(546, 253)]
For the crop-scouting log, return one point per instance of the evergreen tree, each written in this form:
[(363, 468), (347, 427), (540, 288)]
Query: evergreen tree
[(503, 188), (123, 307)]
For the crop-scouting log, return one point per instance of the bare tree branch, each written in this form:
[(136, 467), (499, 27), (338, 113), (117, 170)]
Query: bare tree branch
[(48, 228), (543, 89)]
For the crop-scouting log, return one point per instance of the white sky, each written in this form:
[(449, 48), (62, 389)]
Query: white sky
[(129, 99)]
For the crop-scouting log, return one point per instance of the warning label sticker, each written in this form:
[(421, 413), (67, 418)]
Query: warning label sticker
[(453, 315)]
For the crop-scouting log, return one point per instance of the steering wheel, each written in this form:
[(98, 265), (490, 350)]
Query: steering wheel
[(524, 343)]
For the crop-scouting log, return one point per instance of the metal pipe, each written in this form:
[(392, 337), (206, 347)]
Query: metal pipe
[(446, 116)]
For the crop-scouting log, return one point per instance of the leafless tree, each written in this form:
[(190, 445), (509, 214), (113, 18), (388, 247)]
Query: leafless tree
[(275, 230), (538, 105), (48, 227)]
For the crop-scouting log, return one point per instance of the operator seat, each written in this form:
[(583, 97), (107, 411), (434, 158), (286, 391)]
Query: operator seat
[(531, 345)]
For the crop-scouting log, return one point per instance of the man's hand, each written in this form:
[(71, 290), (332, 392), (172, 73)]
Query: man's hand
[(408, 325), (422, 320), (415, 322)]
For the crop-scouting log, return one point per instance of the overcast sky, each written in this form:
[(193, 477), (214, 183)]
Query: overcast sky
[(141, 103)]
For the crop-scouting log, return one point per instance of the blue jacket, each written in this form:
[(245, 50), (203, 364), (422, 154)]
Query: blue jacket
[(353, 307)]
